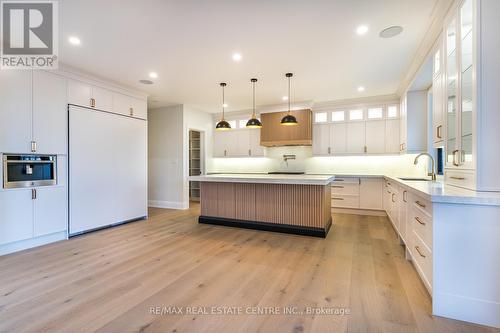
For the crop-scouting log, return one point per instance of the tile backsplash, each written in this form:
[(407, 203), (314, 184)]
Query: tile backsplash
[(381, 164)]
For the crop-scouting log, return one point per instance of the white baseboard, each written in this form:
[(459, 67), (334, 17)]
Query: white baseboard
[(32, 242), (479, 311), (168, 204), (370, 212)]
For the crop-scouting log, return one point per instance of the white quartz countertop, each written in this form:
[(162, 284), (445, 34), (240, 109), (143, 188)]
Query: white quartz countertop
[(438, 191), (266, 179)]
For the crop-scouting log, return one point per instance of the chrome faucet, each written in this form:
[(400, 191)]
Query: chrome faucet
[(433, 170)]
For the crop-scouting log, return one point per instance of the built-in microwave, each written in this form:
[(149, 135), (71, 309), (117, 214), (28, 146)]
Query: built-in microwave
[(29, 170)]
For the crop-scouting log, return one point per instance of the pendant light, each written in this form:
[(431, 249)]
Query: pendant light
[(289, 119), (223, 125), (253, 122)]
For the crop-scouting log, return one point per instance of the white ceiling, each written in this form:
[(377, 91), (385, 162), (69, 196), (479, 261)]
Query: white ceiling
[(190, 44)]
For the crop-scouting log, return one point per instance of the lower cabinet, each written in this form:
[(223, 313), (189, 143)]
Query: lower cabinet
[(357, 193), (29, 213)]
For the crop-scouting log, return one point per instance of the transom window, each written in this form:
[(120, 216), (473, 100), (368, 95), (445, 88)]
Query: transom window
[(356, 114), (320, 117), (375, 113), (392, 111), (338, 115)]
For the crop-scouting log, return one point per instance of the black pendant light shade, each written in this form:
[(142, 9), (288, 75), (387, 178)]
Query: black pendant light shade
[(253, 122), (222, 125), (289, 119)]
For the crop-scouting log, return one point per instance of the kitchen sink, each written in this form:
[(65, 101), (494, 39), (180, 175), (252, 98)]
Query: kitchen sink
[(416, 179)]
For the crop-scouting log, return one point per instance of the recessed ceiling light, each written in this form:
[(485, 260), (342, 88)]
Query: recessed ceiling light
[(74, 40), (153, 75), (224, 105), (362, 29), (236, 57), (361, 88), (285, 98), (391, 31), (146, 81)]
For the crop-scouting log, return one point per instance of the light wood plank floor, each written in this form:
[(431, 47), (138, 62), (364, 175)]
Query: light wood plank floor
[(108, 281)]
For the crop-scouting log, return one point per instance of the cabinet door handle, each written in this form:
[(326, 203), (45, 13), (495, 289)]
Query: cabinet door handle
[(225, 152), (404, 196), (131, 111), (420, 204), (419, 220), (455, 163), (92, 102), (337, 186), (33, 146), (33, 194), (438, 130), (420, 253), (337, 198), (366, 149), (392, 198), (457, 178), (329, 150), (249, 152)]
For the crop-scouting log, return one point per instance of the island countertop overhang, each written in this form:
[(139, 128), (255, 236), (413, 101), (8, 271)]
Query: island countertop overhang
[(266, 179)]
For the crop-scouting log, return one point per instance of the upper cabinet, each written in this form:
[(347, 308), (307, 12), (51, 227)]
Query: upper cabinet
[(356, 131), (33, 111), (275, 134), (471, 98), (242, 142), (438, 85), (413, 126), (92, 96)]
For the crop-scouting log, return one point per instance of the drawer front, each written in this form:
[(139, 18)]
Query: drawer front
[(345, 201), (460, 178), (345, 188), (421, 224), (344, 180), (422, 204), (422, 257)]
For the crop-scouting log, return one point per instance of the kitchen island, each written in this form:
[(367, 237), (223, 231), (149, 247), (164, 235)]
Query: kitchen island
[(297, 204)]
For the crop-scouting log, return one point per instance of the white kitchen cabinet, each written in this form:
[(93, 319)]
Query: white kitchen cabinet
[(15, 111), (321, 139), (338, 137), (237, 143), (413, 126), (87, 95), (392, 136), (356, 137), (129, 106), (370, 193), (375, 137), (16, 215), (79, 93), (50, 210), (50, 121), (130, 139), (103, 99), (256, 150)]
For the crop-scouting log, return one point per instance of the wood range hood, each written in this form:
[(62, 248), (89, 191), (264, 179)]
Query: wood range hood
[(273, 134)]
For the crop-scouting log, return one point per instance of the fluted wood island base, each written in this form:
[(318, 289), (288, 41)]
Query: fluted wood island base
[(291, 208)]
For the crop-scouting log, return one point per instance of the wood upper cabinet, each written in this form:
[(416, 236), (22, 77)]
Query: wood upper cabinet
[(275, 134)]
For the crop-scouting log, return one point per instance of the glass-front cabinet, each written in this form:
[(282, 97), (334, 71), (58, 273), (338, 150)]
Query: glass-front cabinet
[(460, 97)]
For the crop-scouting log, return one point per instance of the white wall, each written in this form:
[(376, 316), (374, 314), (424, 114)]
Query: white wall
[(165, 157), (399, 165)]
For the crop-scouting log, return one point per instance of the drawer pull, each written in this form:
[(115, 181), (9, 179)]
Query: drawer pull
[(392, 198), (418, 250), (457, 178), (419, 220), (337, 198), (337, 186), (404, 197), (338, 180), (420, 204)]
